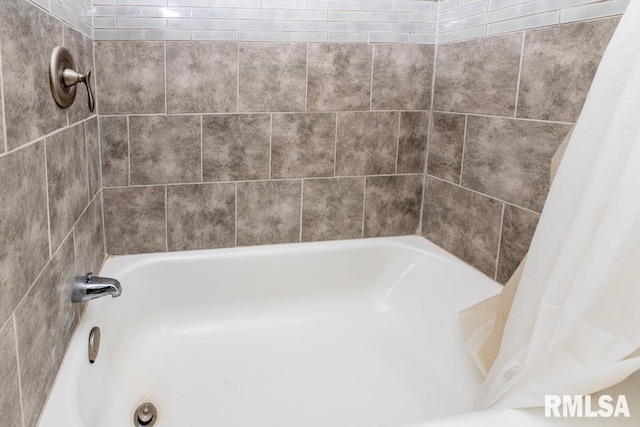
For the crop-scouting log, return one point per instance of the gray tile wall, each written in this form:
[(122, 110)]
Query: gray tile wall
[(502, 106), (50, 207), (220, 144)]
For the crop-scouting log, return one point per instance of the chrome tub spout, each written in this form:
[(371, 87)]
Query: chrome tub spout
[(85, 288)]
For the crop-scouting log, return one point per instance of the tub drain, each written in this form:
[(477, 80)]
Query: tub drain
[(145, 416)]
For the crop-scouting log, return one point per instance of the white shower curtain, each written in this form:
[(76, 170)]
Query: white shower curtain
[(574, 324)]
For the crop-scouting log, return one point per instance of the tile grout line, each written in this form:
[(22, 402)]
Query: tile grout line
[(46, 183), (15, 338), (495, 275), (2, 109), (490, 116), (335, 146), (270, 141), (398, 140), (373, 56), (235, 228), (464, 147), (515, 110), (128, 150), (201, 149), (166, 222), (425, 155), (364, 204), (301, 206)]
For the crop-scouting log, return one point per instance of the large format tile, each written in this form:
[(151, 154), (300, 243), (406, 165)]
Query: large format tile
[(67, 181), (201, 216), (114, 148), (518, 227), (165, 149), (412, 141), (23, 225), (134, 219), (392, 205), (27, 38), (268, 212), (88, 237), (332, 209), (93, 156), (202, 77), (446, 146), (558, 66), (272, 77), (303, 145), (465, 223), (130, 77), (339, 77), (510, 159), (235, 147), (402, 76), (10, 396), (45, 322), (367, 143), (81, 48), (478, 76)]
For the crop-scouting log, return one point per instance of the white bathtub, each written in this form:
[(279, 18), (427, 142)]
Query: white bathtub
[(358, 333)]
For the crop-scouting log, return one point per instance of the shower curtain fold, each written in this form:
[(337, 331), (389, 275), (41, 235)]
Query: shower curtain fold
[(567, 322)]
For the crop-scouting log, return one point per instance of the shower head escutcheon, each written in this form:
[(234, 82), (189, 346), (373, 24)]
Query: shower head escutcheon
[(63, 79)]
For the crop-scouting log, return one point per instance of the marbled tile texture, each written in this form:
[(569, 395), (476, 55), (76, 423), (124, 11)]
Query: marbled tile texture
[(465, 223), (478, 76), (269, 212), (332, 209), (236, 147), (165, 149), (339, 77), (412, 141), (402, 77), (114, 148), (203, 77), (10, 396), (27, 38), (130, 77), (201, 216), (23, 209), (366, 143), (518, 226), (134, 220), (510, 159), (558, 66), (303, 145), (272, 76), (392, 205), (446, 146)]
